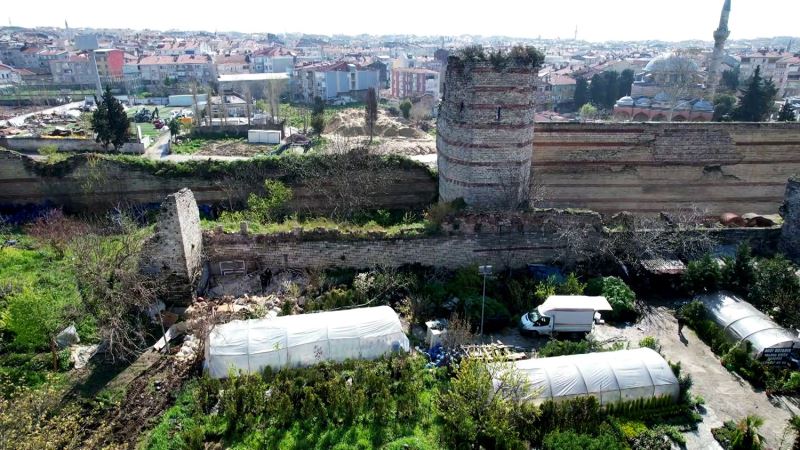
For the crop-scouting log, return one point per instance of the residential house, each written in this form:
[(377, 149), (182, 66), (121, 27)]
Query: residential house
[(272, 60), (155, 69), (768, 61), (410, 82), (232, 64), (555, 92), (331, 80), (74, 69), (110, 63), (9, 75)]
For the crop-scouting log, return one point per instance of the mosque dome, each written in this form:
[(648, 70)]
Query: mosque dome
[(703, 105), (669, 62), (625, 101), (643, 101)]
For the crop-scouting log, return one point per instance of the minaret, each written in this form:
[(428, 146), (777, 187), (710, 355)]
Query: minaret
[(720, 36)]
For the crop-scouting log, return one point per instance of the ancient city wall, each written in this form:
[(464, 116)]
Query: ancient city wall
[(496, 240), (484, 133), (508, 241), (653, 167), (92, 183), (33, 144)]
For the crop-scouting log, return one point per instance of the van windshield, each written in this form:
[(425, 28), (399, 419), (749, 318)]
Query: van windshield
[(533, 316)]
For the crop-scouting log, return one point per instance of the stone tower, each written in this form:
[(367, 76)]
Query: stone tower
[(485, 132), (720, 36)]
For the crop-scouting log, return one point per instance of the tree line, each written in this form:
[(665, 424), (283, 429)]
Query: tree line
[(604, 89)]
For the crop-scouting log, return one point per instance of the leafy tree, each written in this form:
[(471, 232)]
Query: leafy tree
[(597, 90), (174, 126), (625, 83), (619, 296), (271, 205), (730, 79), (109, 121), (787, 113), (588, 111), (405, 108), (756, 100), (482, 406), (724, 104), (581, 92), (371, 112)]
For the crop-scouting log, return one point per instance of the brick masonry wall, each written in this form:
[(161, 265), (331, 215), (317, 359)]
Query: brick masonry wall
[(104, 184), (790, 210), (484, 134), (652, 167), (501, 242)]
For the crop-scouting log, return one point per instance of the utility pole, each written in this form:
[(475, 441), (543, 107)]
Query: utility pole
[(485, 271)]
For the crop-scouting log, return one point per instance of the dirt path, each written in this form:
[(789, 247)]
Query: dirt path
[(727, 396)]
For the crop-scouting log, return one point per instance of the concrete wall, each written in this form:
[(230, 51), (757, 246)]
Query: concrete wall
[(95, 184), (32, 145), (653, 167)]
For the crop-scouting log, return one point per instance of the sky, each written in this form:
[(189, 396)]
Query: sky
[(596, 20)]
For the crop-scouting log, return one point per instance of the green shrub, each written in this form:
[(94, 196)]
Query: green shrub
[(555, 347), (651, 440), (777, 287), (619, 295), (496, 315), (702, 275), (270, 206), (650, 342), (738, 274), (544, 289), (571, 286), (568, 440)]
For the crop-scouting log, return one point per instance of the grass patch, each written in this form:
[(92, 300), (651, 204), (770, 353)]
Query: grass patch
[(231, 223)]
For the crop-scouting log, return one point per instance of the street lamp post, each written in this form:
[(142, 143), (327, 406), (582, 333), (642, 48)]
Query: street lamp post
[(485, 271)]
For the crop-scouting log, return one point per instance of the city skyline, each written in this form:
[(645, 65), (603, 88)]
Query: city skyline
[(624, 20)]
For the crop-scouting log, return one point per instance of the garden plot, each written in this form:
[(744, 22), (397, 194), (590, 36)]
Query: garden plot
[(727, 396)]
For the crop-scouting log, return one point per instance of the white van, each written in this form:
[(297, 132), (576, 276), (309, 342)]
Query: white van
[(564, 314)]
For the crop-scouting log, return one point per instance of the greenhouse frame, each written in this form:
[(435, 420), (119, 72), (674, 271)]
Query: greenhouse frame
[(741, 321), (611, 377), (249, 346)]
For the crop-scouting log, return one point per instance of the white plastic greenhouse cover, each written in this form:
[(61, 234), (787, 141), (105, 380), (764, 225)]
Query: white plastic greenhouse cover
[(608, 376), (248, 346), (742, 321)]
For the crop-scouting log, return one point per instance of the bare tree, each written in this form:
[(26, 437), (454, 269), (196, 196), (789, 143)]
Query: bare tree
[(248, 98), (346, 181), (57, 230), (272, 94), (679, 80), (113, 291)]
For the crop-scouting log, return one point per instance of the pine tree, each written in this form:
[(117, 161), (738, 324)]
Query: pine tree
[(787, 113), (581, 96), (612, 88), (756, 99), (109, 121)]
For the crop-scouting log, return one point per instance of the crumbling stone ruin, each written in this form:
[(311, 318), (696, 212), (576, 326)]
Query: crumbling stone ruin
[(175, 251), (485, 133)]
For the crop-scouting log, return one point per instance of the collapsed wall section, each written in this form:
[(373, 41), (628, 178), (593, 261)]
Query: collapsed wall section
[(174, 252)]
